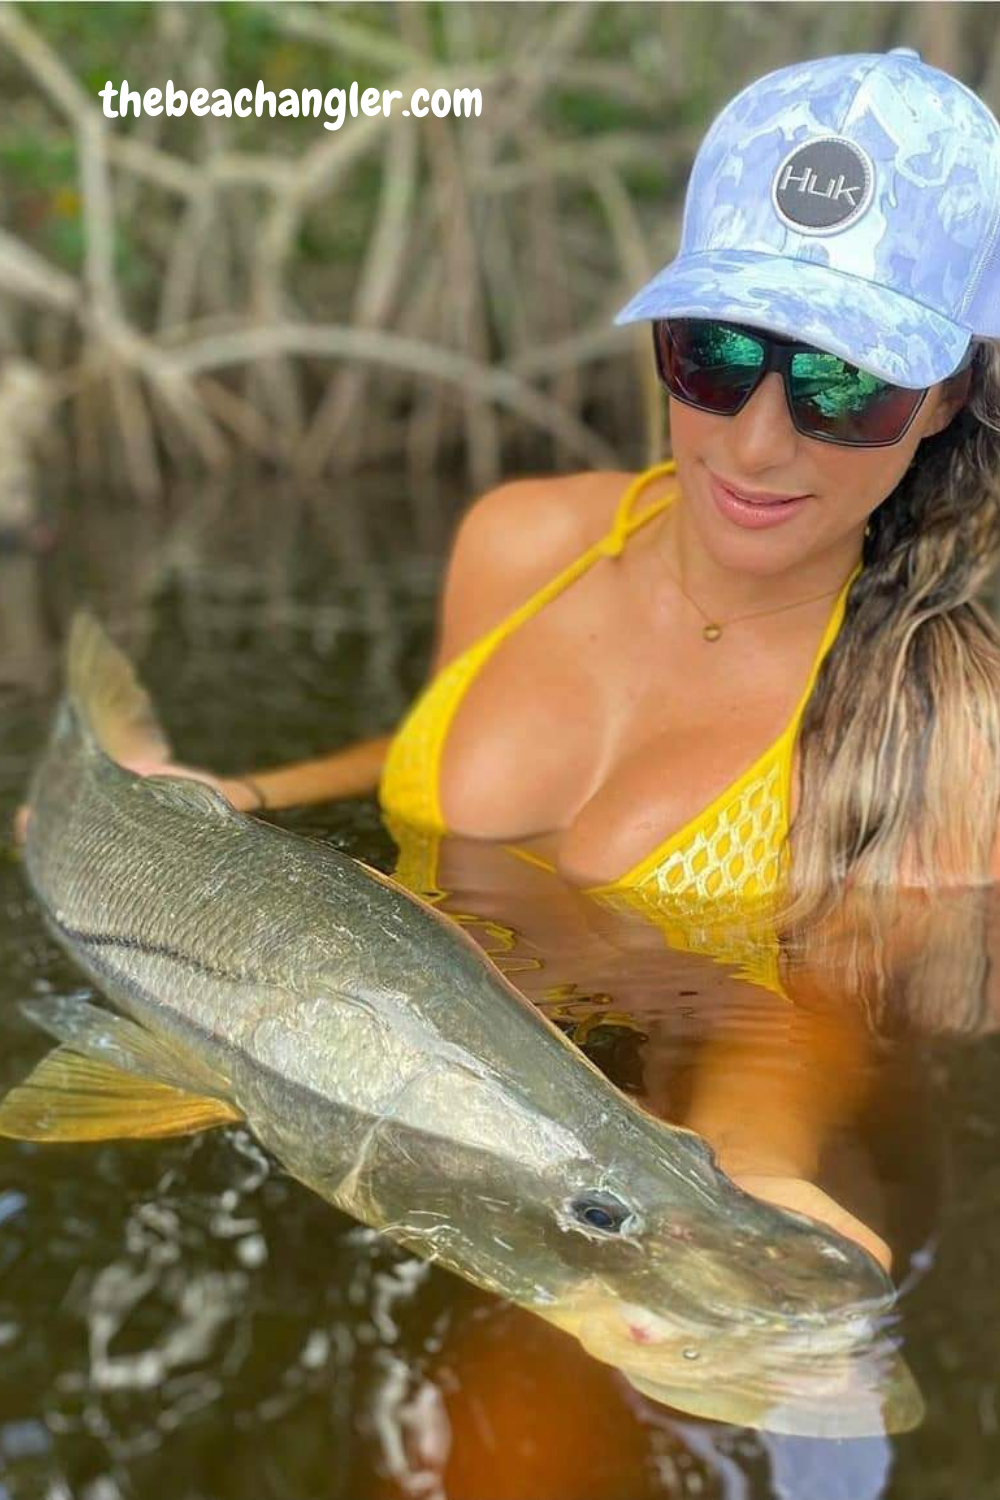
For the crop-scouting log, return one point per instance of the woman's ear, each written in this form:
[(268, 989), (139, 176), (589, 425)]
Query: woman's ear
[(953, 396)]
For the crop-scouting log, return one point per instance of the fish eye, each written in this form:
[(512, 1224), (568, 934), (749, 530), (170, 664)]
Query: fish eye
[(601, 1211)]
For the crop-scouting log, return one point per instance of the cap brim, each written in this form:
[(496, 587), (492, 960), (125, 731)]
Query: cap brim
[(878, 330)]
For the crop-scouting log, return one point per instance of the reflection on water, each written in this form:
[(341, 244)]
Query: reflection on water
[(181, 1312)]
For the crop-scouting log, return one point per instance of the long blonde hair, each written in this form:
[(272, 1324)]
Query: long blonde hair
[(900, 744)]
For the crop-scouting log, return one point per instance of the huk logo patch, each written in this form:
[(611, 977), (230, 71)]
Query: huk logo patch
[(823, 185)]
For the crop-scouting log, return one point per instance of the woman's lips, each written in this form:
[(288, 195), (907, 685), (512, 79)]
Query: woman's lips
[(757, 513)]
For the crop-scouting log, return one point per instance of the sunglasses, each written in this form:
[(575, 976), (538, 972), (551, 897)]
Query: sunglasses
[(716, 367)]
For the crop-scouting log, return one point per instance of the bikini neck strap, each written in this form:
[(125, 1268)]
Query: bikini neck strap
[(624, 522)]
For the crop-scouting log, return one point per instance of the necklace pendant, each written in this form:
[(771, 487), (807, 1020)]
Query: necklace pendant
[(711, 632)]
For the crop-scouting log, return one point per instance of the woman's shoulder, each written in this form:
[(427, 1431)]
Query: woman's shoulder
[(512, 541)]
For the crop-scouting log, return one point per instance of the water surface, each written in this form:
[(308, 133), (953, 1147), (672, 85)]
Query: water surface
[(180, 1317)]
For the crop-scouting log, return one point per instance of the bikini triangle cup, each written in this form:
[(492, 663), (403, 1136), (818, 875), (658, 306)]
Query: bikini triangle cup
[(410, 787), (710, 881)]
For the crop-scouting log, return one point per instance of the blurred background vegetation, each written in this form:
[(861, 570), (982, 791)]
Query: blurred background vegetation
[(184, 295)]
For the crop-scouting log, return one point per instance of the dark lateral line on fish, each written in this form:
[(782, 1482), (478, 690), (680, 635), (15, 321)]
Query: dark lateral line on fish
[(148, 950)]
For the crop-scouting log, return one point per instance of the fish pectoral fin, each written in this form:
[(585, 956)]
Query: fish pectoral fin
[(118, 1042), (70, 1097)]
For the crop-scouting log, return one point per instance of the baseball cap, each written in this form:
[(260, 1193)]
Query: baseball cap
[(849, 202)]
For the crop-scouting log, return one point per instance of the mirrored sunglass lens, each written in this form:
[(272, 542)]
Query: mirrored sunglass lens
[(835, 399), (711, 364)]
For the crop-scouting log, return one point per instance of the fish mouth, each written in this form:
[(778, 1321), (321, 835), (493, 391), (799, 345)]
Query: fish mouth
[(706, 1295), (849, 1398), (640, 1330), (841, 1381), (643, 1326), (853, 1329), (799, 1383)]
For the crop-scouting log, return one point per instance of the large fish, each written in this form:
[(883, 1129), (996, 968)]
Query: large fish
[(387, 1064)]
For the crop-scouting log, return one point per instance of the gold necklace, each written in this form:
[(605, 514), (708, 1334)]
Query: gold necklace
[(712, 629)]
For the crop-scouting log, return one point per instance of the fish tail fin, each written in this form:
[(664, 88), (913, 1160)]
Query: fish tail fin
[(107, 697)]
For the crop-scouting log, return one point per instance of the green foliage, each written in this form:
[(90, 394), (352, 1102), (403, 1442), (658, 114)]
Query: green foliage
[(584, 112), (93, 38), (33, 159)]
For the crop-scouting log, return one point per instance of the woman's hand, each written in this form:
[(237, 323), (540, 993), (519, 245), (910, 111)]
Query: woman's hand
[(806, 1198), (240, 794)]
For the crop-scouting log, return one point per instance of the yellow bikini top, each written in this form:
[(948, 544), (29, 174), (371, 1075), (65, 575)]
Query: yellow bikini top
[(709, 887), (726, 856)]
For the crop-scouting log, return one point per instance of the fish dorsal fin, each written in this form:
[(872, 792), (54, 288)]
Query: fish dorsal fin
[(108, 696), (73, 1098), (111, 1079)]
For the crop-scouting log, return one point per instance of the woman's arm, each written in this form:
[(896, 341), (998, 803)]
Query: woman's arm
[(512, 539), (771, 1089), (509, 542), (352, 771)]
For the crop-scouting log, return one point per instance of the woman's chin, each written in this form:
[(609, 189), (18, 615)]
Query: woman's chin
[(761, 552)]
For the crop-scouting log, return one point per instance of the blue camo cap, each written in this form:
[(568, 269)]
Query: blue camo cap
[(852, 203)]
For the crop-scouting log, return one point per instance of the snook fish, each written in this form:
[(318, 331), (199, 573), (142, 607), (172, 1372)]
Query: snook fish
[(386, 1063)]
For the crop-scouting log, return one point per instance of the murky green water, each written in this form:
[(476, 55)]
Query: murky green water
[(180, 1319)]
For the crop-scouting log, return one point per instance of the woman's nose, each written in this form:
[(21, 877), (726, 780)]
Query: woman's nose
[(763, 434)]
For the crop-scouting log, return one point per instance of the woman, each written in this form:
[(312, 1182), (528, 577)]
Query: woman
[(757, 671), (816, 553)]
